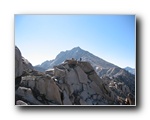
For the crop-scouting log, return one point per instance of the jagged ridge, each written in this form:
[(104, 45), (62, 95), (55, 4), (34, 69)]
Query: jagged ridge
[(76, 53), (70, 83)]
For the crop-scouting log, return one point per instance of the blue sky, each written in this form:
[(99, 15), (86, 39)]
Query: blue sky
[(110, 37)]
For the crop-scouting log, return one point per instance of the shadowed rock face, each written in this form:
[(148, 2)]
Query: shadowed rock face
[(18, 63), (22, 66), (27, 66), (70, 83)]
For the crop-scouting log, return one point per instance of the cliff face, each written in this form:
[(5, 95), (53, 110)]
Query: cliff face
[(18, 63), (21, 64), (70, 83)]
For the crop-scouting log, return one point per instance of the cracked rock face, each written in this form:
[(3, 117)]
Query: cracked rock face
[(70, 83)]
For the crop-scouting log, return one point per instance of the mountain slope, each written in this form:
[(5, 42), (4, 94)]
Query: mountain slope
[(77, 53), (103, 68), (130, 70)]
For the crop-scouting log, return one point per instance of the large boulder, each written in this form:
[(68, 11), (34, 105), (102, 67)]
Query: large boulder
[(85, 66), (27, 66), (72, 78), (52, 91), (21, 64), (43, 86), (18, 63), (81, 75), (27, 95)]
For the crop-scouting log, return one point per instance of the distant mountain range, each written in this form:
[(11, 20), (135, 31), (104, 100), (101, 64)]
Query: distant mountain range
[(102, 67), (130, 70)]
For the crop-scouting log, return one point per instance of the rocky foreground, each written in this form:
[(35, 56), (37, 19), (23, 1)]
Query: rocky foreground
[(70, 83)]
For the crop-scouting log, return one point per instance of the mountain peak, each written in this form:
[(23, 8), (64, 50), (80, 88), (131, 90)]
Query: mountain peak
[(76, 48), (78, 53)]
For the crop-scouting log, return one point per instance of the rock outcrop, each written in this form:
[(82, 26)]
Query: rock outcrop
[(22, 66), (70, 83), (18, 63), (103, 68), (27, 95), (27, 66)]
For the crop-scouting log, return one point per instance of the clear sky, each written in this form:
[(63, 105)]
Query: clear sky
[(110, 37)]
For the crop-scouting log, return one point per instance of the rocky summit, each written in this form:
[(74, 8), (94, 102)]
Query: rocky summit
[(72, 82), (76, 53)]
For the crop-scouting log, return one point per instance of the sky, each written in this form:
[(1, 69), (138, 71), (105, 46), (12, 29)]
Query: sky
[(110, 37)]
